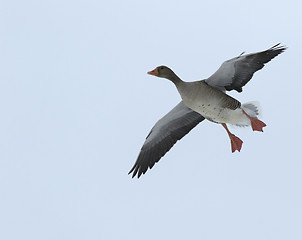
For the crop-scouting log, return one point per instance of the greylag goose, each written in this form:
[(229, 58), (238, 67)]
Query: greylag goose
[(205, 99)]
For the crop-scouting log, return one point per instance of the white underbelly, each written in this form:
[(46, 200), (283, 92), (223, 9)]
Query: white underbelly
[(208, 103), (213, 112)]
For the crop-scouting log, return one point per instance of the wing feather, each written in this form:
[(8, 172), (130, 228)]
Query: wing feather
[(235, 73), (165, 133)]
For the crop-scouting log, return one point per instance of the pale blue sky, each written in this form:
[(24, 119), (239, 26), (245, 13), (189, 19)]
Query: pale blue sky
[(77, 104)]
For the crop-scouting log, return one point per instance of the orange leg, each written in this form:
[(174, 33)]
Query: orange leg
[(257, 125), (236, 142)]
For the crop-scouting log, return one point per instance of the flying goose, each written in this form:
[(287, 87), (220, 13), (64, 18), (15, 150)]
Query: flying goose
[(205, 99)]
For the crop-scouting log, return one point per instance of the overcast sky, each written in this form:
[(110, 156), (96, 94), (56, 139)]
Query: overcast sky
[(76, 105)]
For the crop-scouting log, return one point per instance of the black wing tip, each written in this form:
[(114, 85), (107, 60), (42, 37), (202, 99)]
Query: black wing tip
[(278, 47), (137, 171), (132, 169)]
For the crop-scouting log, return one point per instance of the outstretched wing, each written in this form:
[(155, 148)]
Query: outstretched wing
[(233, 74), (165, 133)]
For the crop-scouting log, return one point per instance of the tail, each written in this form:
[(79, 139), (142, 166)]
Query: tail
[(252, 109)]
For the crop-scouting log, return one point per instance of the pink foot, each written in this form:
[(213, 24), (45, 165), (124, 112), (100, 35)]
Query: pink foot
[(257, 124), (236, 143)]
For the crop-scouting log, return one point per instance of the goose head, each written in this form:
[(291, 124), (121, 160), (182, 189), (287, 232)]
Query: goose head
[(163, 72)]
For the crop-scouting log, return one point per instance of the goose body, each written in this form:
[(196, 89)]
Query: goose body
[(211, 103), (205, 99)]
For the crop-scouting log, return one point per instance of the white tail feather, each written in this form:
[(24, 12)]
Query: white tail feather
[(252, 109)]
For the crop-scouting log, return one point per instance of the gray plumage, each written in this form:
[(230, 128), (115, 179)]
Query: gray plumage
[(165, 133), (233, 74)]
